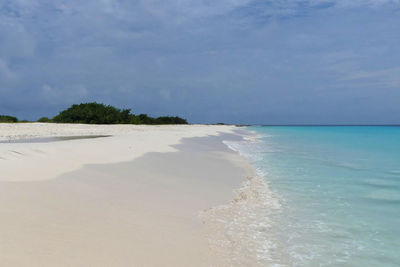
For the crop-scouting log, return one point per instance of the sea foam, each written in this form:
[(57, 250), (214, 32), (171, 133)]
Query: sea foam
[(240, 232)]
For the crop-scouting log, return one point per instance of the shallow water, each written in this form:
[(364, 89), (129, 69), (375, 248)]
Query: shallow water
[(338, 190)]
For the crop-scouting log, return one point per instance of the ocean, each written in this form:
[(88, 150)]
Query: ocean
[(336, 192)]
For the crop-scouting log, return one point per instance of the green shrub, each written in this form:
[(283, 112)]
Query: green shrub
[(8, 119), (144, 119), (44, 119), (170, 120), (95, 113)]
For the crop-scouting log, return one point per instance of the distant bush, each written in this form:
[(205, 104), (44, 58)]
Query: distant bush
[(170, 120), (144, 119), (44, 119), (8, 119), (93, 113), (96, 113)]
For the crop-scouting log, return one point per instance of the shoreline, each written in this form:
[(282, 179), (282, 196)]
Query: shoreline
[(237, 229), (144, 210), (42, 161)]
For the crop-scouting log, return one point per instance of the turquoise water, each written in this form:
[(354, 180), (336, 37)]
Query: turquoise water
[(339, 190)]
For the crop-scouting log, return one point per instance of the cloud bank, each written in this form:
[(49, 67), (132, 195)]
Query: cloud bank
[(241, 61)]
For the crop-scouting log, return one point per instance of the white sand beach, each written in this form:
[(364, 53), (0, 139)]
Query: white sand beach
[(130, 199)]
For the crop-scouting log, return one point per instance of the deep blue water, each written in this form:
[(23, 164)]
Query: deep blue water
[(339, 190)]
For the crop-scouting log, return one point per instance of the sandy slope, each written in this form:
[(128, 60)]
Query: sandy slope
[(41, 161), (129, 200)]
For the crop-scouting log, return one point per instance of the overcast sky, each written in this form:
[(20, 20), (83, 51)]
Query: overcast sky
[(238, 61)]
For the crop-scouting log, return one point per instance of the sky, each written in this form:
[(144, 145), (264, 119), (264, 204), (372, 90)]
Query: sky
[(232, 61)]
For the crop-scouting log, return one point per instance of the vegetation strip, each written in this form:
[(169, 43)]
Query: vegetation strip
[(97, 113)]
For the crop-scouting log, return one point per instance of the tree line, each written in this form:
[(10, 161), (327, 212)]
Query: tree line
[(97, 113), (9, 119)]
